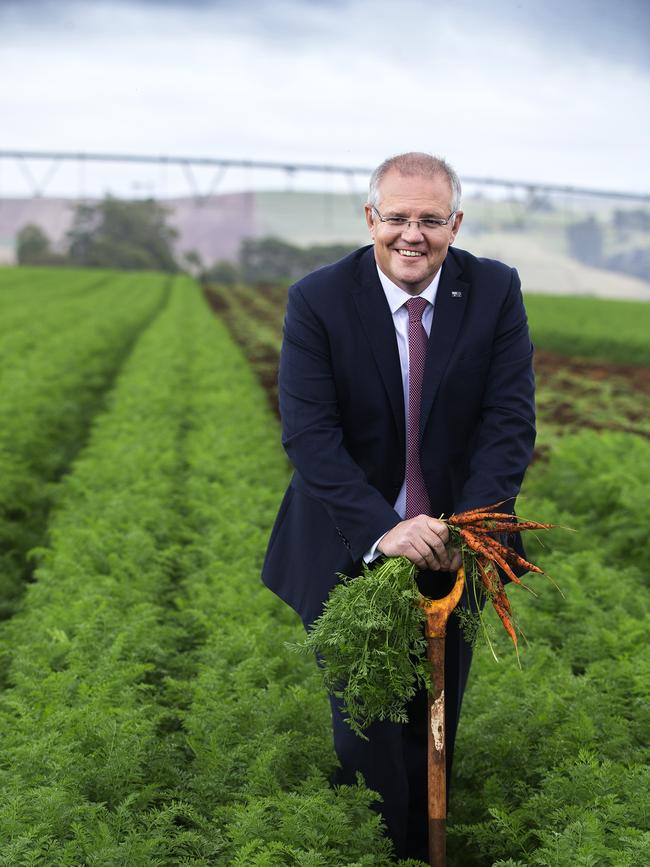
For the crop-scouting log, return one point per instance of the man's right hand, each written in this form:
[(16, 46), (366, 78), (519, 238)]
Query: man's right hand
[(421, 540)]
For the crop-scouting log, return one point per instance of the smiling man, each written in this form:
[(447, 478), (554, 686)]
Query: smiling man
[(411, 252), (406, 393)]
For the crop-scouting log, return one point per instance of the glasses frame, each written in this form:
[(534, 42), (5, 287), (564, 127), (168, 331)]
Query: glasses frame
[(404, 223)]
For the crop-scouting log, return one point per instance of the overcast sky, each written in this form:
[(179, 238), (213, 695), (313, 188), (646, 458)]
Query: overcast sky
[(551, 91)]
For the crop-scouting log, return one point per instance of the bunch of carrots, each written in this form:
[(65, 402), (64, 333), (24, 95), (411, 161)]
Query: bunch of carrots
[(476, 530)]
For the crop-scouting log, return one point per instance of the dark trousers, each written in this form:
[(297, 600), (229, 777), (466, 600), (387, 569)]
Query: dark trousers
[(393, 760)]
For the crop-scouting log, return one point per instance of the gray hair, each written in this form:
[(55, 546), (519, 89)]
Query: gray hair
[(415, 163)]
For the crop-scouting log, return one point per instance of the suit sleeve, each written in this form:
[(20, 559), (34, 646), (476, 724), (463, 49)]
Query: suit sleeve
[(313, 437), (504, 441)]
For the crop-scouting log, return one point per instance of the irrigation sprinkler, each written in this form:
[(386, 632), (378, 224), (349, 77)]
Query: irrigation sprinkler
[(437, 612)]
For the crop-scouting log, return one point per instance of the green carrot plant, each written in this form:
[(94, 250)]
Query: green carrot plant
[(54, 373), (370, 636), (552, 759), (85, 760), (29, 306), (153, 714)]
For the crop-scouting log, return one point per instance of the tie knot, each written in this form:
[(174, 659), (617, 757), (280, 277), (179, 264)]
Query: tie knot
[(416, 307)]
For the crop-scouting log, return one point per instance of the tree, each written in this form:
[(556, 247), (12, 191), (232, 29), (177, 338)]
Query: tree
[(223, 272), (264, 260), (268, 260), (318, 255), (121, 234), (193, 262), (33, 247)]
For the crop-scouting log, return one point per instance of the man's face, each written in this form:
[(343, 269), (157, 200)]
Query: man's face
[(413, 197)]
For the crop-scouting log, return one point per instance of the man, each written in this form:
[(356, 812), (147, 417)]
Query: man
[(406, 393)]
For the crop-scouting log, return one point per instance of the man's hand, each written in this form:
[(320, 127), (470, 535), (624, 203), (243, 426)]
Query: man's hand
[(421, 540)]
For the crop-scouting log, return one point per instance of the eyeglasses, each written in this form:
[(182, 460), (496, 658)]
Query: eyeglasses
[(403, 222)]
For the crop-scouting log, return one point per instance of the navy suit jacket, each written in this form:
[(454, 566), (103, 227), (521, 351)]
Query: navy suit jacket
[(342, 409)]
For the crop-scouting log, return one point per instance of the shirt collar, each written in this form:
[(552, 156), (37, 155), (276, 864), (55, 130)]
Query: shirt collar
[(397, 297)]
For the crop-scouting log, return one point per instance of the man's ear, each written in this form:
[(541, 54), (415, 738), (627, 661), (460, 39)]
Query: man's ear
[(369, 221), (458, 219)]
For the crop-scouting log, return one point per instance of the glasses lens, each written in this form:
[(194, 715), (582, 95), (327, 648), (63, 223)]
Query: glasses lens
[(426, 223)]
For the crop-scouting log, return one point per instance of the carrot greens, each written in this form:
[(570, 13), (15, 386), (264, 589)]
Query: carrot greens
[(370, 637), (370, 642)]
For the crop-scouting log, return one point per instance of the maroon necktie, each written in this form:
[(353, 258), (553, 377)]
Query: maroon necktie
[(417, 499)]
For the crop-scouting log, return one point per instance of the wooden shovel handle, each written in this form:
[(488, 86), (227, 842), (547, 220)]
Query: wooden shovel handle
[(438, 610)]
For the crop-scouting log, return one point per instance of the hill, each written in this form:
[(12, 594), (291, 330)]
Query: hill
[(532, 240)]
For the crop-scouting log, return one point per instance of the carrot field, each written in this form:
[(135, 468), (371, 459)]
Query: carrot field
[(151, 712)]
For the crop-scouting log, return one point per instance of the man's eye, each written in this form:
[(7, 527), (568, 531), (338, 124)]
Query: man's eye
[(396, 221), (432, 224)]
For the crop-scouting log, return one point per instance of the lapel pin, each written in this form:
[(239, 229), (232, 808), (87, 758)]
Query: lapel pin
[(456, 293)]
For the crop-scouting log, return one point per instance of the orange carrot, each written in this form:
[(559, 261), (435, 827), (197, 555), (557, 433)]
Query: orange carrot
[(503, 615), (492, 552), (474, 517), (485, 577), (510, 555), (486, 545), (516, 526), (508, 526), (502, 599), (479, 510), (481, 530), (489, 542), (493, 584), (519, 561)]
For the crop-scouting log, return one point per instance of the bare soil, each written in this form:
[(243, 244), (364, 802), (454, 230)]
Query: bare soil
[(549, 363), (573, 393)]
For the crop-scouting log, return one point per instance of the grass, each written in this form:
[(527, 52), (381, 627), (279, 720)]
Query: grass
[(597, 328)]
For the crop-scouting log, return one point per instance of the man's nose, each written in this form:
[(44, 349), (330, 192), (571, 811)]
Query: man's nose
[(412, 231)]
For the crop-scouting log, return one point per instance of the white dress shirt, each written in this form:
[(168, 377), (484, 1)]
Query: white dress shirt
[(397, 299)]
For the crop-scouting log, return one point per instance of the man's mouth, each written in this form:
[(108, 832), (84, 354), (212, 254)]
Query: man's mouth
[(411, 253)]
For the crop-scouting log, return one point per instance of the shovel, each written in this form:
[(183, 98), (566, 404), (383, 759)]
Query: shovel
[(437, 612)]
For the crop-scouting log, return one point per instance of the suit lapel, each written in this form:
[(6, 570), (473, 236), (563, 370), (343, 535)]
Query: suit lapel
[(451, 299), (377, 322)]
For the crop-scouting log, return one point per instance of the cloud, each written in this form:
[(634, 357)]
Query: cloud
[(599, 28), (497, 94)]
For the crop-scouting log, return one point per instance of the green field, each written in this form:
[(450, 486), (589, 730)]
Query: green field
[(597, 328), (150, 711)]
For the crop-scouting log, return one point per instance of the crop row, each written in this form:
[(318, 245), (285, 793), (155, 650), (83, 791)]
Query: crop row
[(79, 653), (593, 328), (256, 718), (600, 328), (552, 764), (21, 284), (255, 322), (38, 319), (571, 394), (38, 296), (86, 757), (54, 373), (552, 760), (153, 714)]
